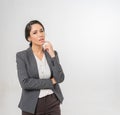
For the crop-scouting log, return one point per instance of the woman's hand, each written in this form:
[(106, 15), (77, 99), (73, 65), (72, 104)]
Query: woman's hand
[(53, 80), (49, 48)]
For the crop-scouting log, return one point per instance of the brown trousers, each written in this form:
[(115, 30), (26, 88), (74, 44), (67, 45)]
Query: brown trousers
[(48, 105)]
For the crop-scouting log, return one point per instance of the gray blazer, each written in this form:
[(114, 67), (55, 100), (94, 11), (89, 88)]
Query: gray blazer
[(31, 83)]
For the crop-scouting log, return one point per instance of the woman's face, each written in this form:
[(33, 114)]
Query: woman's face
[(37, 35)]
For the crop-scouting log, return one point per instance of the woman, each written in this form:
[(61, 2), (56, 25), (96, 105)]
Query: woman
[(39, 73)]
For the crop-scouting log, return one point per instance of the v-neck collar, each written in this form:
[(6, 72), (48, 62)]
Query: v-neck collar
[(41, 60)]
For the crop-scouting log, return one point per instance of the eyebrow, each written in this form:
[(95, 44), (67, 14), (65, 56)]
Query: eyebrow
[(36, 30)]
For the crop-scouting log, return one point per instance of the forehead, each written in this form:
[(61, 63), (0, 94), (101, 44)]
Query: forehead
[(36, 27)]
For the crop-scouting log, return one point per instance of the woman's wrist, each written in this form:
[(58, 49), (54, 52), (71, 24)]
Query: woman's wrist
[(52, 54)]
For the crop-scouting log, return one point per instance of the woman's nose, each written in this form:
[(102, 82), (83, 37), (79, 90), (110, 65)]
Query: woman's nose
[(40, 34)]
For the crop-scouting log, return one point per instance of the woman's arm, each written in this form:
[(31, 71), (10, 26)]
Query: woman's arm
[(58, 74)]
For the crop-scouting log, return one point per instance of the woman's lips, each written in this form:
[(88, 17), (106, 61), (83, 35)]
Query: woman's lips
[(42, 40)]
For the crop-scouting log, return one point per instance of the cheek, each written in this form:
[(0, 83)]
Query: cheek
[(33, 37)]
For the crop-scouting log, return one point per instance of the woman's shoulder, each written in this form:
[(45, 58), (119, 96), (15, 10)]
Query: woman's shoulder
[(22, 52)]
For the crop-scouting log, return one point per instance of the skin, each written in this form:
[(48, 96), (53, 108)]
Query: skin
[(37, 37)]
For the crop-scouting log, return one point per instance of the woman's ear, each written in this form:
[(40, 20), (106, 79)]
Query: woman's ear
[(29, 39)]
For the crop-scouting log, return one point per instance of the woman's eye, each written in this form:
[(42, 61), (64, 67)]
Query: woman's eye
[(41, 31), (34, 32)]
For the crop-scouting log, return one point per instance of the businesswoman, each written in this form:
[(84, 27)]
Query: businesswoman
[(39, 72)]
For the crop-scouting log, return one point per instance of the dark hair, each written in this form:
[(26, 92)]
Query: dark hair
[(28, 29)]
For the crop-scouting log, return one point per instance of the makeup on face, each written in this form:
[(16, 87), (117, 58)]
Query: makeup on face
[(37, 34)]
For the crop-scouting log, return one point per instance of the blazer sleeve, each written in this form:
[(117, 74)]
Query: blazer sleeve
[(27, 82), (57, 71)]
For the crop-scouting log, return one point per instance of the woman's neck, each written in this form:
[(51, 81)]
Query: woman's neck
[(37, 49)]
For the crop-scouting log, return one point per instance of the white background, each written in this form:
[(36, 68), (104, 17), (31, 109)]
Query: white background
[(86, 34)]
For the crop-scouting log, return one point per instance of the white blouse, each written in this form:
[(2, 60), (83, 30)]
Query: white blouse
[(44, 73)]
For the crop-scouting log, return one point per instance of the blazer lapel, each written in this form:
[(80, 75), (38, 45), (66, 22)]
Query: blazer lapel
[(33, 63), (48, 58)]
